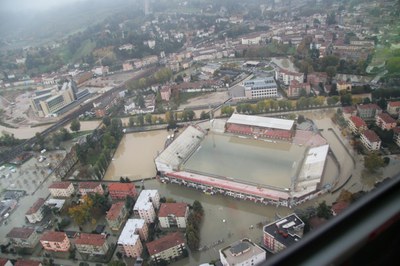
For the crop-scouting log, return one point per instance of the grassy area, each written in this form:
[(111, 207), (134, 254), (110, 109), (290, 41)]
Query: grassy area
[(185, 96), (80, 133), (86, 48)]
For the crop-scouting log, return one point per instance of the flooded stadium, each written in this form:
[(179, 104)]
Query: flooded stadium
[(247, 159)]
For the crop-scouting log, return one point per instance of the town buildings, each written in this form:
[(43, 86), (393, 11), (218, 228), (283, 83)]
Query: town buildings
[(61, 189), (55, 241), (130, 238), (93, 244), (393, 108), (167, 247), (90, 187), (173, 215), (260, 88), (385, 121), (116, 215), (297, 89), (286, 76), (23, 237), (370, 140), (146, 205), (242, 252), (120, 191), (356, 124), (368, 111), (282, 233), (35, 213)]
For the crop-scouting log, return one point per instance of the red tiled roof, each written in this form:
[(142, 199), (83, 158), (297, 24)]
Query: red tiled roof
[(387, 118), (36, 206), (22, 262), (20, 232), (53, 236), (369, 106), (371, 136), (394, 104), (90, 239), (349, 109), (60, 185), (115, 210), (164, 243), (177, 209), (358, 121), (3, 261), (121, 187), (88, 185), (340, 206)]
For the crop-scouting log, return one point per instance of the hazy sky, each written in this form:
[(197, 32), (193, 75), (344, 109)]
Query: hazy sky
[(32, 5)]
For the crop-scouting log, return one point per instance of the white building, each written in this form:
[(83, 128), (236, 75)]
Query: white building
[(129, 239), (370, 140), (286, 76), (35, 213), (261, 88), (243, 253), (146, 204)]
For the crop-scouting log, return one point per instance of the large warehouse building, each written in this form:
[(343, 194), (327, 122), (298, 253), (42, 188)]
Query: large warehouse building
[(254, 159)]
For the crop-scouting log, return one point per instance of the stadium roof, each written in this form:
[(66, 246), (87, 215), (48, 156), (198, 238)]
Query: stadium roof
[(259, 121)]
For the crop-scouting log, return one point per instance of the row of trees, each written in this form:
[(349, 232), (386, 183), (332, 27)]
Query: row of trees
[(161, 76), (193, 226)]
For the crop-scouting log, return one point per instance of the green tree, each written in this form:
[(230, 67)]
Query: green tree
[(148, 118), (131, 121), (204, 115), (227, 110), (324, 211), (75, 125), (197, 207), (373, 161), (116, 263), (106, 121)]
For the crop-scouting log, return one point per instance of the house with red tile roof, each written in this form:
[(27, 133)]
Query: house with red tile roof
[(35, 213), (116, 215), (385, 121), (55, 241), (339, 207), (370, 140), (356, 124), (5, 262), (92, 244), (368, 111), (23, 237), (90, 187), (167, 248), (393, 108), (173, 215), (121, 190), (61, 189), (23, 262)]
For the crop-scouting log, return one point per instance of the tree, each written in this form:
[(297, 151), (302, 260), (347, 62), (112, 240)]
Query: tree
[(116, 263), (324, 211), (106, 121), (197, 207), (75, 125), (372, 162), (227, 110), (148, 118), (81, 213), (204, 115)]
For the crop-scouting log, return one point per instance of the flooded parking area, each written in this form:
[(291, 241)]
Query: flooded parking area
[(134, 157), (269, 162)]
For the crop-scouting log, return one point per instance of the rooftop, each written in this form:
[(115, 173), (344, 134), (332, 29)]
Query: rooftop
[(285, 230), (177, 209), (121, 186), (129, 234), (3, 261), (60, 185), (115, 210), (358, 121), (164, 243), (241, 251), (369, 106), (394, 104), (386, 118), (260, 121), (88, 185), (21, 232), (53, 236), (143, 201), (22, 262), (371, 136), (36, 206), (90, 239)]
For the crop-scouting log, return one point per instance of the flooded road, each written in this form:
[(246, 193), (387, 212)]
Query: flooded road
[(135, 155)]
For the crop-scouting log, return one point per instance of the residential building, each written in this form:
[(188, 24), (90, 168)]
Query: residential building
[(297, 89), (282, 233), (55, 241), (356, 124), (252, 39), (61, 189), (370, 140), (339, 207), (129, 239), (90, 187), (165, 93), (116, 215), (166, 248), (368, 111), (23, 237), (93, 244), (35, 213), (385, 121), (173, 215), (243, 252), (396, 135), (23, 262), (5, 262), (393, 108), (286, 76), (261, 88), (146, 204), (343, 85), (121, 190)]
